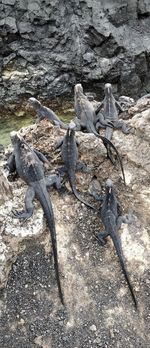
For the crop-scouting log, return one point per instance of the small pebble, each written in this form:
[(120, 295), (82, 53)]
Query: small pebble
[(93, 328)]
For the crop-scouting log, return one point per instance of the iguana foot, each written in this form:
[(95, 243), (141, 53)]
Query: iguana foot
[(126, 130), (21, 214), (128, 218), (82, 167), (61, 171), (121, 125), (101, 238)]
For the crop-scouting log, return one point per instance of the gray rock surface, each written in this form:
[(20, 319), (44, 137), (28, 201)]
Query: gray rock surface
[(48, 46), (5, 188), (99, 311)]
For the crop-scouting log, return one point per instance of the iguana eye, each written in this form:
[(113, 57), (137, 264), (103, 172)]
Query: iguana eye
[(22, 146)]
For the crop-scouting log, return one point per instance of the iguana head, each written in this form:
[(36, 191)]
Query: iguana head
[(78, 88), (109, 185), (71, 129), (72, 125), (34, 103), (15, 137), (108, 89), (18, 142)]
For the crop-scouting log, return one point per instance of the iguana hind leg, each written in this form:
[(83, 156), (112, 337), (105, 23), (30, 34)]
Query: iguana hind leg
[(53, 179), (104, 122), (30, 194), (121, 125), (101, 237), (126, 219)]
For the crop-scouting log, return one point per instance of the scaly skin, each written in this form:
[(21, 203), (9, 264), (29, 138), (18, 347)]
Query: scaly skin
[(44, 112), (70, 157), (30, 169), (110, 112), (86, 118), (111, 218)]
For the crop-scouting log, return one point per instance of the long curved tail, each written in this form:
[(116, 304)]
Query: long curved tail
[(119, 253), (107, 142), (43, 197), (75, 192)]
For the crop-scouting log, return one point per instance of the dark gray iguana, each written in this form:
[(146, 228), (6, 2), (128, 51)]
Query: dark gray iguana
[(69, 153), (110, 114), (86, 118), (44, 112), (112, 219), (28, 165)]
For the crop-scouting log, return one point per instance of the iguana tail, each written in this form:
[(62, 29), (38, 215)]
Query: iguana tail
[(119, 253), (108, 135), (108, 132), (75, 192), (47, 208), (107, 142)]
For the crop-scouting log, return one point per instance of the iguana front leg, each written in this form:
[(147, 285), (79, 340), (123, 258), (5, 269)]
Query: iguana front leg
[(30, 194), (41, 157), (126, 219), (58, 144), (99, 107), (61, 170), (119, 106), (11, 163)]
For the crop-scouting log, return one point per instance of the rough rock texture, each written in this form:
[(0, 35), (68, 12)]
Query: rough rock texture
[(47, 46), (99, 311), (5, 188)]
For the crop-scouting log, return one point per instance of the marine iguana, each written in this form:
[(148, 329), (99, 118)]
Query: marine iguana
[(112, 219), (30, 169), (110, 113), (69, 153), (85, 120), (44, 112)]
